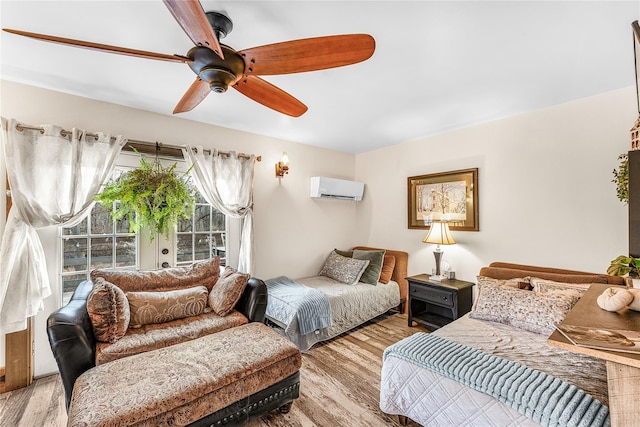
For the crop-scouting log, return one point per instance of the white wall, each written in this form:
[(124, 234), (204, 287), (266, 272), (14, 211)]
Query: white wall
[(545, 191), (293, 233), (545, 188)]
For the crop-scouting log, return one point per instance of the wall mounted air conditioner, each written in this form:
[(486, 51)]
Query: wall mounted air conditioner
[(332, 188)]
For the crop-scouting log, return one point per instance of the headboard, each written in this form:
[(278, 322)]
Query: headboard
[(399, 271), (505, 270)]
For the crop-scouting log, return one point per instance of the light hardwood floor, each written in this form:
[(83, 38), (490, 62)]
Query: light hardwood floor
[(339, 386)]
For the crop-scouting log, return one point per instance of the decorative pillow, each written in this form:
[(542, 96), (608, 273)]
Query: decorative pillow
[(343, 269), (227, 291), (532, 311), (228, 271), (108, 310), (371, 274), (202, 273), (159, 307), (541, 285), (388, 264), (348, 254), (518, 283)]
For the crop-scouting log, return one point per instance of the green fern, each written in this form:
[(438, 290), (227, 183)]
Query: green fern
[(621, 178), (152, 197)]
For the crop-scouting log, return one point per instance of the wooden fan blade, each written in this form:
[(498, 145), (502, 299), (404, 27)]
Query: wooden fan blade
[(297, 56), (194, 22), (270, 96), (101, 47), (196, 93)]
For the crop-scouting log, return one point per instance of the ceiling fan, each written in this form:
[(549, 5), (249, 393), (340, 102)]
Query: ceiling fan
[(218, 66)]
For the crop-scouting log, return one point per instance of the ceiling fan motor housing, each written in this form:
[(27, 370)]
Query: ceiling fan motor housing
[(220, 23), (219, 73)]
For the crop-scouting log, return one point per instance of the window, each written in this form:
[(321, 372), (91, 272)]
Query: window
[(100, 242), (96, 242), (202, 236)]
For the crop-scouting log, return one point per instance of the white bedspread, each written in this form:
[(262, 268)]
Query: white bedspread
[(351, 305), (431, 399)]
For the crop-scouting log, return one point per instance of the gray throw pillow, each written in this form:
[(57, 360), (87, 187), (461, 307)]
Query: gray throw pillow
[(348, 254), (372, 273), (343, 269)]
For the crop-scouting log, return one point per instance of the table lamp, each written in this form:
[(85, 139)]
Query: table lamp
[(439, 234)]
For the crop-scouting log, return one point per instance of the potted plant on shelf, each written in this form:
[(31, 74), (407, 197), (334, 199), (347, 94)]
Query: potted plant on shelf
[(626, 266), (150, 196)]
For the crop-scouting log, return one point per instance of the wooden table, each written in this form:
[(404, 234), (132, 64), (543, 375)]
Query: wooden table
[(623, 369)]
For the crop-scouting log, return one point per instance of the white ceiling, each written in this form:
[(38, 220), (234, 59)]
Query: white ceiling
[(438, 65)]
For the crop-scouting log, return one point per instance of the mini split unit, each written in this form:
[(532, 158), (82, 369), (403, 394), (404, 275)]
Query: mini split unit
[(332, 188)]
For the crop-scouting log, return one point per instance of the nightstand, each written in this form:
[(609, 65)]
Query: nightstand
[(434, 304)]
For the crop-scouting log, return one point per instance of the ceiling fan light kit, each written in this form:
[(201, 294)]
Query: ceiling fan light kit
[(219, 67)]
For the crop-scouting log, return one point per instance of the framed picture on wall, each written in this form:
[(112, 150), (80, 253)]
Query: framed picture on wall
[(447, 196)]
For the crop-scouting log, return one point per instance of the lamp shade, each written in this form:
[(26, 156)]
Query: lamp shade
[(440, 234)]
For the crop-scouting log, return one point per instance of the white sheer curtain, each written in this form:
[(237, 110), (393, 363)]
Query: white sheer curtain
[(53, 180), (226, 182)]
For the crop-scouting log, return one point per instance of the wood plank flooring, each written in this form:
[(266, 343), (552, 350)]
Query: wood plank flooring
[(340, 385)]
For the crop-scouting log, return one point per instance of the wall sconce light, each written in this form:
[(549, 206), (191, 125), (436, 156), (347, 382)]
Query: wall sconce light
[(282, 167)]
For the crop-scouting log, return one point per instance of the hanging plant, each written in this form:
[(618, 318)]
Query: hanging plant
[(150, 196), (621, 178)]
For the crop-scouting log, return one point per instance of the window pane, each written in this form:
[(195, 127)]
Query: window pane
[(101, 252), (77, 229), (75, 254), (98, 248), (101, 222), (200, 199), (184, 251), (217, 239), (202, 246), (126, 251), (202, 218), (122, 225), (218, 221), (184, 225), (69, 284)]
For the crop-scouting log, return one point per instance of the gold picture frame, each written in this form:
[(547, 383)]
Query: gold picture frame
[(449, 196)]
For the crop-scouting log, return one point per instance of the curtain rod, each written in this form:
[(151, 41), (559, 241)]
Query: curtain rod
[(65, 133)]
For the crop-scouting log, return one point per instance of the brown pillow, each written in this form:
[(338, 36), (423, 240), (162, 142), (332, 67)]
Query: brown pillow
[(202, 273), (108, 310), (227, 292), (228, 271), (388, 264), (160, 307)]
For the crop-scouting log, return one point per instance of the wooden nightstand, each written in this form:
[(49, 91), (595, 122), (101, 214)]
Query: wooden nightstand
[(434, 304)]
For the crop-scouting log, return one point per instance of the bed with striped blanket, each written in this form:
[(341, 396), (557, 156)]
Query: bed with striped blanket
[(442, 397), (298, 305)]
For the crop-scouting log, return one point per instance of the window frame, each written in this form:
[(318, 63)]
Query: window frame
[(144, 251), (89, 235)]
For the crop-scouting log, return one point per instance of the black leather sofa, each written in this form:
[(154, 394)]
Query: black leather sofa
[(73, 346)]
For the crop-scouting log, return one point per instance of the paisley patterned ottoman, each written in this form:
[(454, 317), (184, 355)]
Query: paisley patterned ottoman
[(226, 378)]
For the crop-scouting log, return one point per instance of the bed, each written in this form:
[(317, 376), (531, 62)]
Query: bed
[(348, 305), (429, 396)]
